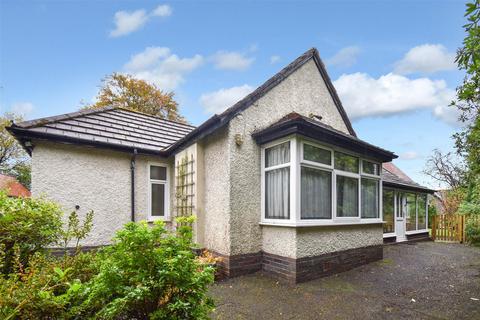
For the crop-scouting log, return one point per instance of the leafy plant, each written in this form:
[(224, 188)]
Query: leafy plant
[(75, 231), (149, 272), (28, 224), (472, 230)]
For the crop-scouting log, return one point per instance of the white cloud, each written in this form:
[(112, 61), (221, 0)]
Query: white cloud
[(127, 22), (160, 66), (346, 57), (363, 95), (409, 155), (274, 59), (448, 114), (230, 60), (426, 58), (218, 101), (22, 108), (163, 10)]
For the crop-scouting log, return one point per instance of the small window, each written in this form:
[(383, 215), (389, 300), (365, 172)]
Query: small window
[(158, 200), (158, 173), (370, 168), (312, 153), (346, 162), (370, 201), (347, 196), (277, 155), (158, 192)]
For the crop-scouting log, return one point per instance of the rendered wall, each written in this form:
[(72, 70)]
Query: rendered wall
[(303, 92), (94, 179)]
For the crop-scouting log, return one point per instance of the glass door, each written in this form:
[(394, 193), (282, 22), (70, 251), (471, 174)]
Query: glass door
[(401, 210)]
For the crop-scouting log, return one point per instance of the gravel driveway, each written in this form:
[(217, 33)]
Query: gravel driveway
[(423, 280)]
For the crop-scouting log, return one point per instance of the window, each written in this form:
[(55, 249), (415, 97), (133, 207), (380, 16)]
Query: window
[(304, 183), (422, 212), (158, 199), (370, 168), (316, 194), (347, 196), (277, 181), (370, 198), (346, 162), (312, 153), (411, 211), (388, 211)]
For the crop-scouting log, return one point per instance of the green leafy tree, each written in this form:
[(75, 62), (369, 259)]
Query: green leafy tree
[(468, 102), (14, 160), (125, 91), (27, 225)]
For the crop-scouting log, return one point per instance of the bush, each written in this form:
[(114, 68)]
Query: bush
[(47, 289), (27, 224), (472, 230), (149, 272)]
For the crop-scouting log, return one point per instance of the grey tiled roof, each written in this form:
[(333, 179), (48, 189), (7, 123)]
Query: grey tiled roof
[(392, 175), (110, 126)]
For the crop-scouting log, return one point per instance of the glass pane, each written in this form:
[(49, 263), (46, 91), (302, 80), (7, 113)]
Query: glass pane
[(347, 197), (422, 211), (370, 168), (346, 162), (411, 212), (158, 200), (316, 194), (277, 155), (369, 198), (158, 173), (277, 193), (315, 154), (388, 208)]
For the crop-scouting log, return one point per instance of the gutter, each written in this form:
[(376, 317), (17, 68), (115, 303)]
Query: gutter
[(132, 173)]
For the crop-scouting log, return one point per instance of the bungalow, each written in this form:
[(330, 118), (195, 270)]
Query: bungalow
[(279, 182)]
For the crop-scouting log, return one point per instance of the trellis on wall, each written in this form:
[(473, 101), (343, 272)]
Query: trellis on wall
[(185, 186)]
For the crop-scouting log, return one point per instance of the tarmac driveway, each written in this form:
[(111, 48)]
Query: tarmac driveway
[(422, 280)]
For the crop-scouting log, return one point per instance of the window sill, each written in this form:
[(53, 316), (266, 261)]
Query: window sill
[(389, 235), (416, 231), (303, 224)]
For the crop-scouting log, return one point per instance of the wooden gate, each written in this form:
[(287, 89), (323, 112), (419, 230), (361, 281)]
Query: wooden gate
[(448, 227)]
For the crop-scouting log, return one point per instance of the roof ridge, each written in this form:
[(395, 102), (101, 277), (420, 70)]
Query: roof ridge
[(46, 120)]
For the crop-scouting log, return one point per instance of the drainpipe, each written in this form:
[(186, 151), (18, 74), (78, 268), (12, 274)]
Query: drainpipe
[(132, 172)]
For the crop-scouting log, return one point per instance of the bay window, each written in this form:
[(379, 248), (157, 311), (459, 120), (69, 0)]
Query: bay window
[(306, 183)]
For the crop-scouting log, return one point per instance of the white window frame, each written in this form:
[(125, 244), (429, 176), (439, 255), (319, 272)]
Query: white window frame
[(417, 194), (166, 183), (296, 162)]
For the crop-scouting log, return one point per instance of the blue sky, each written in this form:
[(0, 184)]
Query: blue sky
[(391, 61)]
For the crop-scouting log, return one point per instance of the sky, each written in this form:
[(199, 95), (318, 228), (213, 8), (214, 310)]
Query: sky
[(392, 62)]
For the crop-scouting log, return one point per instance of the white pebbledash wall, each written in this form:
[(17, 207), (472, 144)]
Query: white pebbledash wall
[(232, 178), (96, 180)]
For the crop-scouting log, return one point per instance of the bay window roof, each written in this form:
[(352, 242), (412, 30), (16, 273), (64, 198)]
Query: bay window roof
[(295, 123)]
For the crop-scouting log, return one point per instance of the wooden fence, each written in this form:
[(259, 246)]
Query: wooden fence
[(448, 227)]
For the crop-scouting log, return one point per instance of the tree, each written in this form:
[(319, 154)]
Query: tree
[(14, 160), (120, 90), (445, 169)]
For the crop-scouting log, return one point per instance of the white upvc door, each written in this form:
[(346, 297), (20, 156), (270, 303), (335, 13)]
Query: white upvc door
[(401, 208)]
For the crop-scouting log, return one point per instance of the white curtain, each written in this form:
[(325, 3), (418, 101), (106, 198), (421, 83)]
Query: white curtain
[(277, 155), (277, 193), (277, 182), (316, 194), (369, 198), (347, 196)]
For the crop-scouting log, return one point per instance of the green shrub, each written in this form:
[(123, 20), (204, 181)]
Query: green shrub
[(47, 289), (149, 272), (28, 224), (472, 230)]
